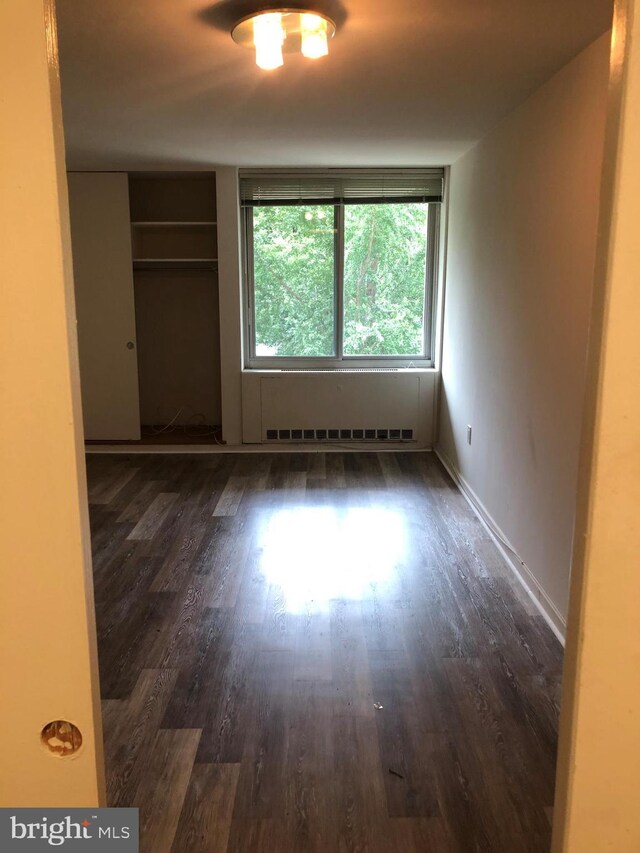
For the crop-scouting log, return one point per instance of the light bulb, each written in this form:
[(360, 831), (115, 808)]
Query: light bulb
[(314, 36), (268, 36)]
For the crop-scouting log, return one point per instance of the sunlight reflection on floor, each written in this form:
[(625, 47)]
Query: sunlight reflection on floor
[(318, 554)]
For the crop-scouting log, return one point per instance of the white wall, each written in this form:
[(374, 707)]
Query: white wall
[(103, 279), (596, 806), (521, 247)]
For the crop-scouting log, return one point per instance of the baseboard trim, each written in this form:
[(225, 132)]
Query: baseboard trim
[(286, 447), (536, 593)]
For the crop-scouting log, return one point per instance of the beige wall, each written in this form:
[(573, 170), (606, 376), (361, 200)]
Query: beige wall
[(597, 791), (521, 245), (48, 668)]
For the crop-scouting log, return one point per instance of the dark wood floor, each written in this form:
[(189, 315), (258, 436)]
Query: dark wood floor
[(316, 652)]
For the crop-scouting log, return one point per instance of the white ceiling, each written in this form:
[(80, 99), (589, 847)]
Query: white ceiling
[(160, 83)]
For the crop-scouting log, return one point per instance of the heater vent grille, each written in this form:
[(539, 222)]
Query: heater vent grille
[(339, 434), (339, 369)]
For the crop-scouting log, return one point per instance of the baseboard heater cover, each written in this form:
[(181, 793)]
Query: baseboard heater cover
[(344, 407), (331, 435)]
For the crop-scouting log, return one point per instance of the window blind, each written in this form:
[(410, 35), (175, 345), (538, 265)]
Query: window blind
[(333, 186)]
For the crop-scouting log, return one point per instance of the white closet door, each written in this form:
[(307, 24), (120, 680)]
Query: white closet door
[(103, 274)]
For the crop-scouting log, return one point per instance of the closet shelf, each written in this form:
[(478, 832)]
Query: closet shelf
[(175, 263), (167, 224)]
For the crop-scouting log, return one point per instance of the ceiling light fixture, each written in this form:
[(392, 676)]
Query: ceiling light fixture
[(273, 31)]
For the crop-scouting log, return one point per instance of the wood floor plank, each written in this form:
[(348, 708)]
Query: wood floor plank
[(140, 501), (256, 836), (334, 467), (162, 789), (353, 690), (231, 496), (316, 652), (360, 804), (428, 834), (205, 820), (408, 781), (104, 492), (133, 732), (308, 769), (317, 467), (156, 513), (128, 650)]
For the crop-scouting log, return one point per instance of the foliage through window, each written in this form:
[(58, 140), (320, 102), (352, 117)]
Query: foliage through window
[(294, 270), (341, 280), (385, 263)]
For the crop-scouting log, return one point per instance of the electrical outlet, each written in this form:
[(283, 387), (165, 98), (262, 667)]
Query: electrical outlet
[(468, 433)]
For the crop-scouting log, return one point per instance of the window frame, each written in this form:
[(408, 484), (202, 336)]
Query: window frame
[(340, 360)]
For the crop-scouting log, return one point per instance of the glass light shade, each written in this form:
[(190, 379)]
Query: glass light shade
[(276, 31), (313, 33), (268, 36)]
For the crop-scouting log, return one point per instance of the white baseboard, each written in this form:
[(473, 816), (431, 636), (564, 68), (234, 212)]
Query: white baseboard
[(545, 605), (285, 447)]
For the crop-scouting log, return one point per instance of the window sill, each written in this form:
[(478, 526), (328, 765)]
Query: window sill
[(269, 371)]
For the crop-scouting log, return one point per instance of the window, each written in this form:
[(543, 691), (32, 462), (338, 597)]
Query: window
[(340, 266)]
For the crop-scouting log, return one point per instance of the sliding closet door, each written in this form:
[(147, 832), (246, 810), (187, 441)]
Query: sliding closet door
[(103, 273)]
